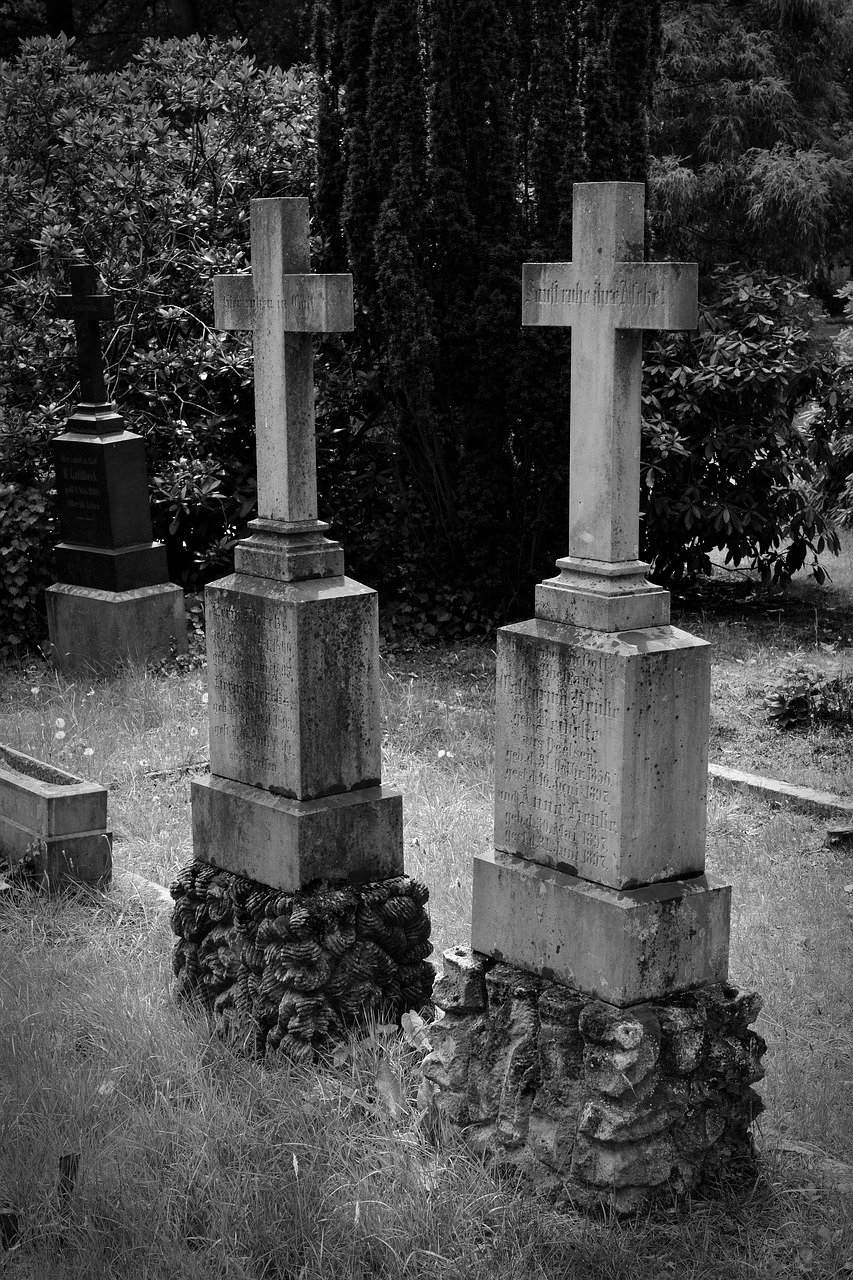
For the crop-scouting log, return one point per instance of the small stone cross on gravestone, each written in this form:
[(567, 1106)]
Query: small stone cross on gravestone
[(607, 294), (87, 308), (284, 305)]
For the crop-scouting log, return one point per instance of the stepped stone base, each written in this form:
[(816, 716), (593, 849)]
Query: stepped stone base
[(599, 1103), (283, 843), (288, 972)]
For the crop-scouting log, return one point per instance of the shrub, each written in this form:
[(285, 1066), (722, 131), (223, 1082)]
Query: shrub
[(26, 526), (804, 695), (729, 448), (147, 172)]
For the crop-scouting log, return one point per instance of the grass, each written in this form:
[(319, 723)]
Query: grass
[(194, 1161), (752, 640)]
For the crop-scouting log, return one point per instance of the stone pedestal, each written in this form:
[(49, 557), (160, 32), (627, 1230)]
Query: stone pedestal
[(601, 753), (605, 1105), (295, 749), (620, 946), (98, 632), (294, 686), (295, 916), (113, 604)]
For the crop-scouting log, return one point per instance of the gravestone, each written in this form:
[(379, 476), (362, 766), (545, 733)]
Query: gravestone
[(293, 818), (113, 603), (586, 1026)]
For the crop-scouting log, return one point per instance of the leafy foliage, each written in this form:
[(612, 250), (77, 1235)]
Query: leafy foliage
[(804, 695), (148, 173), (752, 135), (27, 521), (728, 452)]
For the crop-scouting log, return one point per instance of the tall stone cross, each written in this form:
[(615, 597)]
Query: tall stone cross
[(87, 308), (284, 305), (608, 295)]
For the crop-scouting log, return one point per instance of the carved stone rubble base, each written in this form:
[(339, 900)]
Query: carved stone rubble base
[(605, 1104), (287, 972)]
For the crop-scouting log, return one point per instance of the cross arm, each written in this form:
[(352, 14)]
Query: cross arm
[(629, 295), (306, 303), (234, 302), (93, 306)]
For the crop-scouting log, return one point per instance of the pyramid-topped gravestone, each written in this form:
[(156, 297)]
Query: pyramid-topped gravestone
[(113, 603)]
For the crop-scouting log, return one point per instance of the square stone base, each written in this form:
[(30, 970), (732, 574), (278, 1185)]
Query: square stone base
[(597, 1103), (285, 843), (97, 632), (621, 946)]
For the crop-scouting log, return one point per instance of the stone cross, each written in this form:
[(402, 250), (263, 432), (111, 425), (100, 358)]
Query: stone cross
[(283, 305), (87, 308), (608, 295)]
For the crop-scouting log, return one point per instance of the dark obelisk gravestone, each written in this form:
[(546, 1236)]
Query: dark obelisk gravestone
[(113, 603)]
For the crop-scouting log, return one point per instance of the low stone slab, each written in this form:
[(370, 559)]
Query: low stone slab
[(54, 818), (622, 947), (288, 843), (97, 632), (806, 798)]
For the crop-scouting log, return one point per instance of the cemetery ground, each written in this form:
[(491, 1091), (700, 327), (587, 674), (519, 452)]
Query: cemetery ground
[(136, 1144)]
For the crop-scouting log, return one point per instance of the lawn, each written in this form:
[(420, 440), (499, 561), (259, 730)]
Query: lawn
[(135, 1145)]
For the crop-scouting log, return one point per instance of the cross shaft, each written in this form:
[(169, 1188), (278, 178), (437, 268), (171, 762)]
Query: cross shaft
[(607, 295), (87, 308), (282, 304)]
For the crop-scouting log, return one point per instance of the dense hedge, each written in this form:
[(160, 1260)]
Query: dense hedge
[(149, 173)]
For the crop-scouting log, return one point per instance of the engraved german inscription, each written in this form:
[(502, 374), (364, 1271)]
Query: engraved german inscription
[(558, 751)]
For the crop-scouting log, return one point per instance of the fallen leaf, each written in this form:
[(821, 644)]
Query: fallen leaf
[(414, 1031), (389, 1089)]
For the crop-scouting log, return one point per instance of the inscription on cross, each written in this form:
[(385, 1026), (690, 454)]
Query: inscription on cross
[(87, 308), (607, 295), (283, 305)]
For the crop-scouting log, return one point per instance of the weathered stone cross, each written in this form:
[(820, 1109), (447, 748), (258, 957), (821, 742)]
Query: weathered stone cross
[(87, 308), (284, 305), (608, 295)]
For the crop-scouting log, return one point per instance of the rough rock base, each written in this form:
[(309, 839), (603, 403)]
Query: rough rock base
[(602, 1103), (287, 972)]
